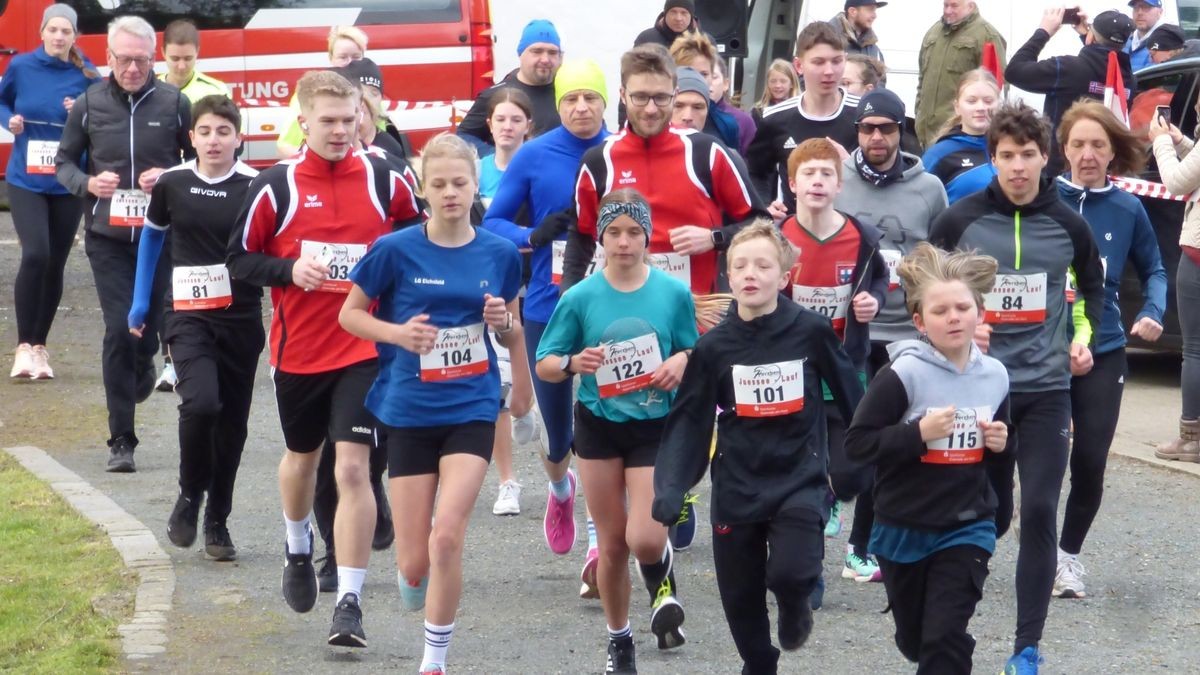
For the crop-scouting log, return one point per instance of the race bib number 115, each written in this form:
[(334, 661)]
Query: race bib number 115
[(964, 445)]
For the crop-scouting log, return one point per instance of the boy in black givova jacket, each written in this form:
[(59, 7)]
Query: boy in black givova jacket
[(763, 366)]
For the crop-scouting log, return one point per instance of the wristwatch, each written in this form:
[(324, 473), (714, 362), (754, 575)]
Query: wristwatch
[(565, 364), (718, 239), (508, 324)]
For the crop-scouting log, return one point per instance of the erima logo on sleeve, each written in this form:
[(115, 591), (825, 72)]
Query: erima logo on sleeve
[(627, 178), (312, 202)]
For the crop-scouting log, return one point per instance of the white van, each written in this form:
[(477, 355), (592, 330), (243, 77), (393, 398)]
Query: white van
[(903, 23)]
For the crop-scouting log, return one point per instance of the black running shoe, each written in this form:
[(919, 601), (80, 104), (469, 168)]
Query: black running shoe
[(347, 630), (299, 578), (120, 456), (666, 618), (327, 576), (385, 533), (218, 545), (795, 624), (181, 526), (620, 657)]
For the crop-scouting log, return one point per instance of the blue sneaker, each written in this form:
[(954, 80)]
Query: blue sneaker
[(683, 532), (1025, 663), (412, 597), (834, 527)]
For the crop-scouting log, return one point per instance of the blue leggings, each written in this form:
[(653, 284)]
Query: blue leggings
[(554, 400)]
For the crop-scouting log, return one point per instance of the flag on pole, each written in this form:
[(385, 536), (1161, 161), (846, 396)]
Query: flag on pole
[(991, 62), (1114, 90)]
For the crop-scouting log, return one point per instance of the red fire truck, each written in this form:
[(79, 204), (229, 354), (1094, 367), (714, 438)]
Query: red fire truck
[(436, 55)]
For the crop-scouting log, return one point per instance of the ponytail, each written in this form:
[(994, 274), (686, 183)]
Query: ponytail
[(76, 58)]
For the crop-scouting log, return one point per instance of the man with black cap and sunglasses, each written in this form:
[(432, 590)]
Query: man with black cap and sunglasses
[(1065, 79), (855, 23)]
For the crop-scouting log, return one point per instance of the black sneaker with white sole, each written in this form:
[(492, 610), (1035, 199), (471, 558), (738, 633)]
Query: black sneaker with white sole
[(299, 578), (218, 545), (621, 659), (667, 617), (181, 526), (347, 630), (327, 575), (120, 456), (795, 624)]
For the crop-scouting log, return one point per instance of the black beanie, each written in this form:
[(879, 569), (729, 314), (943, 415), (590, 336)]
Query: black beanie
[(689, 5)]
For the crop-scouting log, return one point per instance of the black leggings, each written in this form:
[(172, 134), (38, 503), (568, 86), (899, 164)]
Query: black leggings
[(782, 555), (850, 480), (46, 226), (1095, 408), (1038, 448)]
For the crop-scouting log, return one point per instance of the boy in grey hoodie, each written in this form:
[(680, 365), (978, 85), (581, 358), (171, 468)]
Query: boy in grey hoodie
[(927, 423)]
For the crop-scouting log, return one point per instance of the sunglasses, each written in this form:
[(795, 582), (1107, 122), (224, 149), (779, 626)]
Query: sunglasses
[(886, 128)]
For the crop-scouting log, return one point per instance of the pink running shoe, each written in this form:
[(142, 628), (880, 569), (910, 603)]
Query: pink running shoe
[(559, 524), (590, 590)]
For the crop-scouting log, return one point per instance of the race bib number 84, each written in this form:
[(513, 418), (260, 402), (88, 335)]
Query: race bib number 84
[(1016, 298), (769, 390), (964, 445)]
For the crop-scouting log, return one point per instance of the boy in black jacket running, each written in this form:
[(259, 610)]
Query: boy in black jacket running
[(763, 366), (925, 423)]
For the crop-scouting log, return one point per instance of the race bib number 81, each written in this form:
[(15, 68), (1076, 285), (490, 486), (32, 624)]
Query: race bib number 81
[(769, 390), (964, 445), (628, 365), (457, 353), (201, 287)]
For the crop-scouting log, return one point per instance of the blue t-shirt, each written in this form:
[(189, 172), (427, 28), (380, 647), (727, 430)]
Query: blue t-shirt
[(489, 176), (906, 545), (592, 313), (410, 275)]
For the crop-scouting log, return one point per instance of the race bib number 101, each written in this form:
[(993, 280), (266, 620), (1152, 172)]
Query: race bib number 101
[(964, 445), (769, 390)]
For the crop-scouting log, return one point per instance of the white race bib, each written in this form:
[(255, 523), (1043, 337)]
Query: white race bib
[(830, 302), (678, 266), (201, 287), (1016, 298), (769, 390), (128, 208), (39, 157), (339, 258), (628, 365), (964, 445), (558, 253), (1071, 286), (457, 353), (891, 259)]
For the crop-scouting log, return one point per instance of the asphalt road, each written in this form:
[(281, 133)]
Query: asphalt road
[(520, 612)]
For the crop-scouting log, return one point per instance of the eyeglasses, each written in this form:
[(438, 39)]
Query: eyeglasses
[(123, 62), (641, 99), (887, 128)]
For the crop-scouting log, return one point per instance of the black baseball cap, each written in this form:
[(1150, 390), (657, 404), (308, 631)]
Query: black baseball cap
[(863, 3), (363, 71), (1166, 38), (1113, 26)]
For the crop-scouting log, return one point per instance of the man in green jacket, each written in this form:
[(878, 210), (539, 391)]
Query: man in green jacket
[(951, 47)]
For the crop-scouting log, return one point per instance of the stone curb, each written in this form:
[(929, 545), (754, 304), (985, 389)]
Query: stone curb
[(144, 636)]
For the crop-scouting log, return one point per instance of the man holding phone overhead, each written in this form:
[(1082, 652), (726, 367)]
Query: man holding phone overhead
[(1065, 79)]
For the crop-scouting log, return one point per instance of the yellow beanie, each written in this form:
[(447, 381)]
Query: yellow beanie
[(579, 74)]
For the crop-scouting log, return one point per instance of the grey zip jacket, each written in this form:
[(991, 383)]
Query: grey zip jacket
[(109, 129)]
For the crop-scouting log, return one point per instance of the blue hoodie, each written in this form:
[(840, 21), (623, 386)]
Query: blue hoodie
[(1123, 232), (34, 87), (961, 162)]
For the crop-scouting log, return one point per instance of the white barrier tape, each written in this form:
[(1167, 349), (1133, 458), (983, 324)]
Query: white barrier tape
[(1145, 188), (389, 106)]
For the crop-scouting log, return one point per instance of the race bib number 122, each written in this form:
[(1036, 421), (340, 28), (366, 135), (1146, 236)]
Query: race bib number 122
[(628, 365)]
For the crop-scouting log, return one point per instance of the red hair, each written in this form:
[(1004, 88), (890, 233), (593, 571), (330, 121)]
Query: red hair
[(814, 149)]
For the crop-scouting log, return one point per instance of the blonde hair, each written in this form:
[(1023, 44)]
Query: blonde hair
[(448, 146), (316, 83), (691, 46), (350, 33), (968, 78), (928, 265), (764, 229), (784, 67)]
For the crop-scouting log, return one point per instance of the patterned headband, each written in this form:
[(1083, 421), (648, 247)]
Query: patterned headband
[(638, 211)]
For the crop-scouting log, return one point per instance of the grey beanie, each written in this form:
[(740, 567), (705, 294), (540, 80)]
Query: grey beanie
[(690, 79), (60, 11)]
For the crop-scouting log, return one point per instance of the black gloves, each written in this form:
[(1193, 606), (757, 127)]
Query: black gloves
[(552, 226)]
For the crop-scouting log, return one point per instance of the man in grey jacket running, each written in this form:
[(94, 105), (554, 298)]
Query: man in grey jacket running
[(130, 128)]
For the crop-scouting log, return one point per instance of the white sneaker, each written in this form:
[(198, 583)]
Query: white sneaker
[(23, 365), (524, 429), (168, 379), (41, 364), (1068, 581), (508, 502)]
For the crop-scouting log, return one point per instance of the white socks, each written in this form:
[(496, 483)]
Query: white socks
[(350, 580), (437, 641), (297, 536)]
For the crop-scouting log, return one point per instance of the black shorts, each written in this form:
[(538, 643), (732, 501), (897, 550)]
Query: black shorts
[(416, 451), (635, 441), (313, 406)]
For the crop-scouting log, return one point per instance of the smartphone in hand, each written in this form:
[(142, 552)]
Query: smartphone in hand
[(1163, 112), (1071, 16)]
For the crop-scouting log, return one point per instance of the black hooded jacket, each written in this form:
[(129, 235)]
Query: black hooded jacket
[(661, 33), (762, 465)]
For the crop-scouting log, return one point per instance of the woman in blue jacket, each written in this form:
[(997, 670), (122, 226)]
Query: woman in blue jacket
[(1096, 144), (37, 91), (959, 158)]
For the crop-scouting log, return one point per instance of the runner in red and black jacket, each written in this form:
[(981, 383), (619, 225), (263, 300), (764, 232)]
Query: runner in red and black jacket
[(687, 177)]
